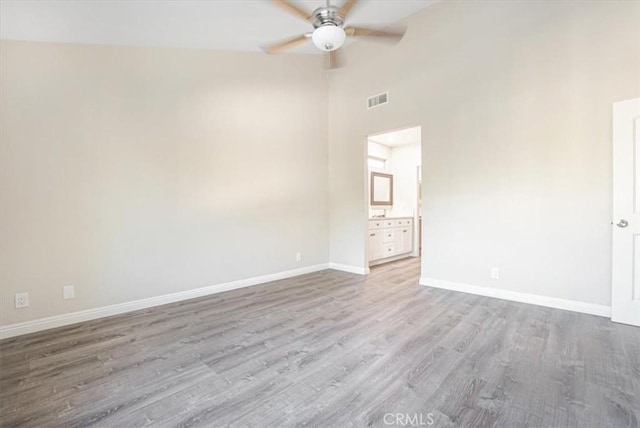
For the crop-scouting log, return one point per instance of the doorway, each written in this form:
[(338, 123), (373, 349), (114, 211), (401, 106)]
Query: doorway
[(394, 195)]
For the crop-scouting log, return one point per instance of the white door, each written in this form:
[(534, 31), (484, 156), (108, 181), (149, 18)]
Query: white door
[(625, 299)]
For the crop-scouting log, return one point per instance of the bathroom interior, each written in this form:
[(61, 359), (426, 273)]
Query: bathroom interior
[(394, 194)]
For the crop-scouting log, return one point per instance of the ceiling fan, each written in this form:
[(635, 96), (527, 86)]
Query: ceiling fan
[(329, 32)]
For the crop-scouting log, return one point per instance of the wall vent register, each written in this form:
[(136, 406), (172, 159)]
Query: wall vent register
[(378, 100)]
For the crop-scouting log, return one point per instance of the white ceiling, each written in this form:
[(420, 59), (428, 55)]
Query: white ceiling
[(239, 25), (398, 138)]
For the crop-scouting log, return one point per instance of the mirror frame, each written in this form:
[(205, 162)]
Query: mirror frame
[(375, 202)]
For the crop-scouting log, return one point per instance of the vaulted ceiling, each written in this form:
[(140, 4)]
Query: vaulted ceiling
[(237, 25)]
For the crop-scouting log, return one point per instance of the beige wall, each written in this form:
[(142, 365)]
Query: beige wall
[(514, 99), (134, 172)]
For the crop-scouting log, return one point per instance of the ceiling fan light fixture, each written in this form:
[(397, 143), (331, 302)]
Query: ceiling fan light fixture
[(328, 37)]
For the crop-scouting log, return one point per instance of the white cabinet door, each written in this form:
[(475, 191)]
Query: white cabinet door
[(404, 240), (375, 244)]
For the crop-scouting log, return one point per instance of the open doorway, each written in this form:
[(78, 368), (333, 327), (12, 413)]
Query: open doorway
[(394, 195)]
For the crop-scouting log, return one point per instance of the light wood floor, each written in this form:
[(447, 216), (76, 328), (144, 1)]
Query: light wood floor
[(328, 349)]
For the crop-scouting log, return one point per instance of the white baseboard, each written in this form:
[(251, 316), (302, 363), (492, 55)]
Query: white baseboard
[(391, 259), (19, 329), (532, 299), (348, 268)]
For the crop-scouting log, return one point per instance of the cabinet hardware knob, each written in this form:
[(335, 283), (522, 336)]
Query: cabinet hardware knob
[(372, 234)]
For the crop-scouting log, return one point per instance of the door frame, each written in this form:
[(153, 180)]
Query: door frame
[(419, 212)]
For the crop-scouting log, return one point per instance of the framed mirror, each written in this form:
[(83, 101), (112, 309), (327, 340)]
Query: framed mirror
[(381, 189)]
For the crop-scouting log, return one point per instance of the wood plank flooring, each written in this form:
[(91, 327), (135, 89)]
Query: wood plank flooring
[(328, 349)]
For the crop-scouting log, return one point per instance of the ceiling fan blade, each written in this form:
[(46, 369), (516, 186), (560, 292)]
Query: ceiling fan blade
[(334, 60), (284, 45), (292, 9), (390, 35), (346, 8)]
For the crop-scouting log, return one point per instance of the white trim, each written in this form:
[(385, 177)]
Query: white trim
[(532, 299), (391, 259), (18, 329), (348, 268)]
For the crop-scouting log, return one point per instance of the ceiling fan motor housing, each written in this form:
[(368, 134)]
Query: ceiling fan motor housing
[(327, 15), (328, 34)]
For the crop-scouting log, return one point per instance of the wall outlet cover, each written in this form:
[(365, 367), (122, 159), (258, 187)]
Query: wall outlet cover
[(22, 300), (68, 292)]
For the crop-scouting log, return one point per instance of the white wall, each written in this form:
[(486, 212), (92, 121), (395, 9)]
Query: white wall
[(378, 151), (403, 164), (514, 99), (135, 172)]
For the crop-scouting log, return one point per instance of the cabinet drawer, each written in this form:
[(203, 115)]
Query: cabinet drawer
[(376, 224), (404, 222), (388, 235), (388, 250)]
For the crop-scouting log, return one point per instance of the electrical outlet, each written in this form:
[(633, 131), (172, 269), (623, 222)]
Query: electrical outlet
[(22, 300), (495, 273), (298, 257), (68, 292)]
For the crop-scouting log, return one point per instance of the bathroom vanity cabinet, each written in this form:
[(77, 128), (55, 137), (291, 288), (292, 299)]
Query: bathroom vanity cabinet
[(390, 239)]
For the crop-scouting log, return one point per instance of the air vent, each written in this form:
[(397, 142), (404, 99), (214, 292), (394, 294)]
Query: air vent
[(378, 100)]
